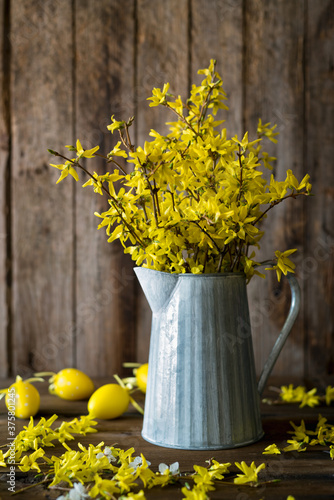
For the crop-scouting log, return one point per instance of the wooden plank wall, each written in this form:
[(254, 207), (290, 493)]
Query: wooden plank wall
[(274, 90), (67, 297), (104, 86), (317, 268), (42, 223), (4, 149)]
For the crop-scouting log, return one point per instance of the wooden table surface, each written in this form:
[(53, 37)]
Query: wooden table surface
[(305, 475)]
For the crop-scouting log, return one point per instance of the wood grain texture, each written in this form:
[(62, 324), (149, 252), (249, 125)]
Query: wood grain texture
[(318, 265), (307, 475), (162, 56), (71, 298), (4, 156), (217, 33), (41, 92), (104, 277), (273, 82)]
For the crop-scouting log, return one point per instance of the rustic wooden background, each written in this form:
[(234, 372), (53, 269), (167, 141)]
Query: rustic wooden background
[(67, 297)]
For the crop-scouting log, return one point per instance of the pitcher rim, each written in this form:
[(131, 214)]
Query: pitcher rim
[(192, 275)]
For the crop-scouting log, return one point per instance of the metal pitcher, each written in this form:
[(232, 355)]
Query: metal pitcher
[(202, 392)]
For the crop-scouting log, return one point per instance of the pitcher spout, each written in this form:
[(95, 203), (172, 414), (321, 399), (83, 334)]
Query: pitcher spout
[(157, 286)]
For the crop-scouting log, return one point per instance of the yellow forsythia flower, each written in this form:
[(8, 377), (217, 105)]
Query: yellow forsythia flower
[(310, 399), (2, 460), (197, 493), (331, 451), (28, 462), (85, 153), (292, 394), (329, 394), (249, 472), (272, 449), (294, 446)]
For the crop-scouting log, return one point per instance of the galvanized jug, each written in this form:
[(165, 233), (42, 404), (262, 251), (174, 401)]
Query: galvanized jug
[(202, 392)]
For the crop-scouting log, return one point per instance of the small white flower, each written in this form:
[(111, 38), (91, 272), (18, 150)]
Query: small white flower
[(78, 492), (173, 469), (163, 468), (107, 452), (137, 462)]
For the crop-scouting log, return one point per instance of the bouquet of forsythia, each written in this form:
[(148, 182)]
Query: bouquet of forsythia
[(194, 198)]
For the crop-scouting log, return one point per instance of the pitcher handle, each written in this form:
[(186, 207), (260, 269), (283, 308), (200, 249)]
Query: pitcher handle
[(293, 313)]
